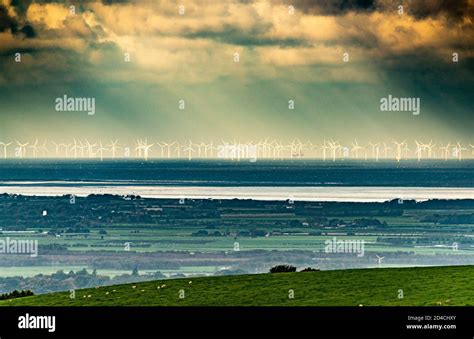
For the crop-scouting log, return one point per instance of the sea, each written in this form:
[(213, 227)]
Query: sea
[(304, 180)]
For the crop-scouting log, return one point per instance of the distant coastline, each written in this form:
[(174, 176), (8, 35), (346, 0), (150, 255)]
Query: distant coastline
[(275, 193)]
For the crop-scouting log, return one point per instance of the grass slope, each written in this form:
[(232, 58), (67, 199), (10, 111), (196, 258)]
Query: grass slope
[(369, 287)]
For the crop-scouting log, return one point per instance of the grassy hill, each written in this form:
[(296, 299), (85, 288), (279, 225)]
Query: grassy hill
[(368, 287)]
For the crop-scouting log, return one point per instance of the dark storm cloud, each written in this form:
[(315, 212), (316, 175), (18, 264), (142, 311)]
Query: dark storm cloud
[(9, 23), (420, 9), (331, 7), (235, 36)]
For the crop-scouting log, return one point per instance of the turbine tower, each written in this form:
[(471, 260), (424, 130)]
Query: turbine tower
[(189, 149), (22, 148), (113, 147), (379, 260), (399, 146), (445, 150), (356, 148), (35, 148), (5, 146)]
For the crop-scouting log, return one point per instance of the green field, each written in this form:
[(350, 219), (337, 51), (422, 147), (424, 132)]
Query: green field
[(415, 286)]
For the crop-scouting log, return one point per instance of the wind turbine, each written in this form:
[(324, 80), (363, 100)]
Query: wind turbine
[(178, 149), (139, 148), (113, 147), (74, 148), (189, 149), (66, 148), (162, 146), (375, 151), (334, 146), (22, 148), (101, 150), (385, 149), (168, 148), (35, 148), (5, 145), (458, 150), (211, 148), (445, 150), (324, 147), (356, 148), (419, 149), (43, 148), (90, 148), (430, 147), (146, 149), (81, 147), (379, 260), (56, 147)]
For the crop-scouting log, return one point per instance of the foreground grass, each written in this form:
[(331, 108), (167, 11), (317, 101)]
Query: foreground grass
[(369, 287)]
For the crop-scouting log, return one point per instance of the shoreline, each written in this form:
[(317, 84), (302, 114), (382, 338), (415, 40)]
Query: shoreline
[(266, 193)]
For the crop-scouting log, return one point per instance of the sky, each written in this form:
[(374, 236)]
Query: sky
[(335, 60)]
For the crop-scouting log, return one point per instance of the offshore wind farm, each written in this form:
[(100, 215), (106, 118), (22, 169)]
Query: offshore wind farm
[(327, 150)]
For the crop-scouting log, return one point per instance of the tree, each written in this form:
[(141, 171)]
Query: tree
[(282, 269)]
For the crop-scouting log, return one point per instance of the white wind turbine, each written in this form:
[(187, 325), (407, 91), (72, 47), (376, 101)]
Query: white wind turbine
[(445, 151), (356, 148), (5, 146), (43, 148), (458, 150), (74, 148), (375, 151), (379, 260), (178, 149), (430, 147), (406, 149), (419, 149), (325, 147), (113, 147), (139, 148), (189, 149), (334, 146), (90, 148), (162, 146), (57, 146), (22, 148), (210, 147), (66, 148), (168, 148), (35, 148), (101, 150), (146, 149), (385, 150), (81, 147), (399, 145)]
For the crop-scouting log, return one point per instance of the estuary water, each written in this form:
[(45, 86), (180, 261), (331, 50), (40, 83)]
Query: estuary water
[(309, 180)]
